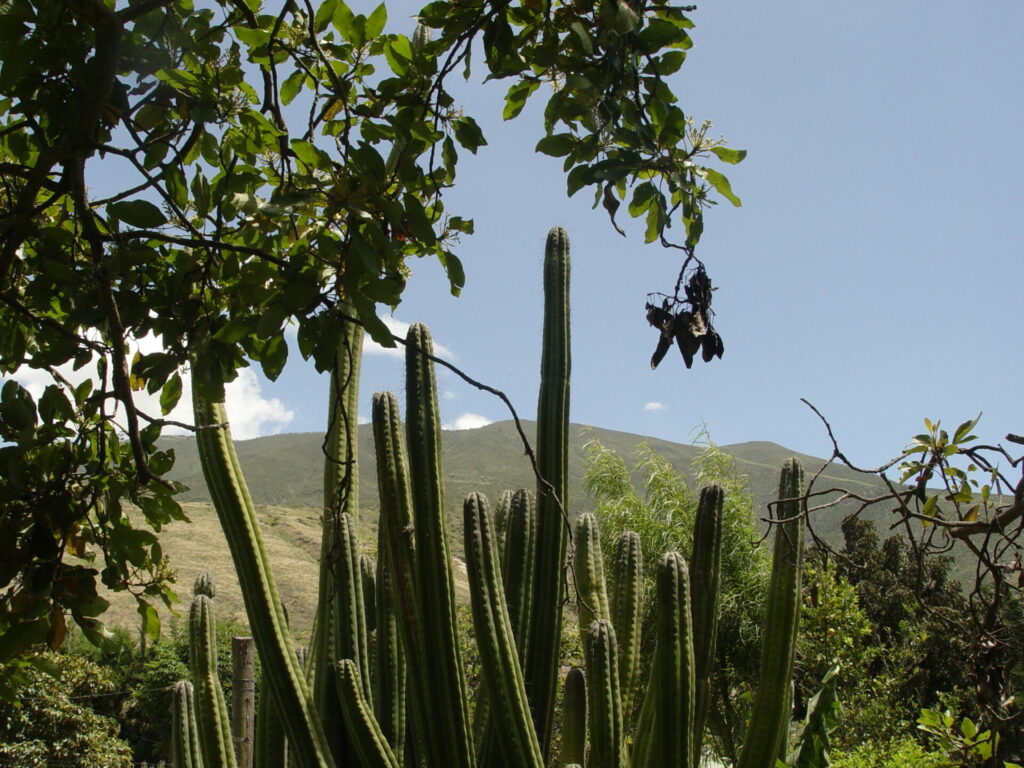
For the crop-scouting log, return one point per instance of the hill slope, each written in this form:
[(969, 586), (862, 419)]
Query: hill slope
[(284, 477)]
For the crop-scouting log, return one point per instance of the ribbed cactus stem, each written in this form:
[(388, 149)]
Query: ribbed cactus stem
[(349, 632), (518, 565), (773, 703), (672, 673), (607, 745), (389, 683), (501, 513), (340, 495), (214, 725), (552, 495), (625, 606), (503, 678), (185, 751), (267, 621), (573, 745), (705, 578), (270, 749), (588, 570), (435, 581), (396, 524), (370, 745)]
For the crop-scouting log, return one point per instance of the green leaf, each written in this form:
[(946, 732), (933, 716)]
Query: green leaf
[(962, 434), (292, 85), (557, 145), (468, 134), (170, 394), (516, 98), (150, 620), (731, 156), (375, 21), (453, 268), (138, 213), (721, 184), (324, 14), (274, 356)]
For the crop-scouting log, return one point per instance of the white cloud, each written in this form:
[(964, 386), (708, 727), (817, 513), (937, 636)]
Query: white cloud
[(251, 414), (654, 407), (399, 328), (469, 421)]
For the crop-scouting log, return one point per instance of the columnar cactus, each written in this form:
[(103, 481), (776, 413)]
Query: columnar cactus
[(403, 605), (552, 495), (213, 724), (185, 751)]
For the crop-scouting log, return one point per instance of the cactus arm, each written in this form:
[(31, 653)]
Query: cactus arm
[(214, 726), (625, 608), (572, 749), (772, 703), (607, 747), (370, 745), (270, 748), (340, 495), (705, 578), (237, 516), (553, 463), (434, 579), (396, 521), (588, 569), (503, 677), (389, 677), (674, 667), (185, 751)]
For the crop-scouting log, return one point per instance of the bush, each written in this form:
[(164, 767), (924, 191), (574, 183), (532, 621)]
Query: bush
[(52, 723), (904, 752)]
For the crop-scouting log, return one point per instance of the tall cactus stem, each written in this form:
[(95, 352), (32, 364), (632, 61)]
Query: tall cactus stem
[(185, 751), (237, 515), (553, 463), (370, 745), (340, 495), (435, 581), (214, 725), (588, 570), (573, 746), (503, 677), (389, 674), (625, 608), (607, 745), (705, 578), (773, 703)]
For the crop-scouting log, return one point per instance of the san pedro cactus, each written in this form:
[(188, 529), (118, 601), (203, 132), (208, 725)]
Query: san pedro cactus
[(213, 724), (387, 688), (552, 494), (773, 702), (185, 751)]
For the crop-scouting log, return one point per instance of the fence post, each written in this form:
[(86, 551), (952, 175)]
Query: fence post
[(243, 698)]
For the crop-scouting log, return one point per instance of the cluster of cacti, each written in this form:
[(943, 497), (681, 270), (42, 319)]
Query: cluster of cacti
[(385, 683)]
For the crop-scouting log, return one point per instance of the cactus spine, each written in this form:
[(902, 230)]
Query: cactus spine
[(773, 701), (213, 724), (553, 461)]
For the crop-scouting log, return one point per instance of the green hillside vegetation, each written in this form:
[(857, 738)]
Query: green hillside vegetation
[(284, 473)]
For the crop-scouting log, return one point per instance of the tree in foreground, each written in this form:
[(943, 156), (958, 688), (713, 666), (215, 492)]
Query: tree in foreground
[(277, 164)]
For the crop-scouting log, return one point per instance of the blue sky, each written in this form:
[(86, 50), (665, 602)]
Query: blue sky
[(874, 268)]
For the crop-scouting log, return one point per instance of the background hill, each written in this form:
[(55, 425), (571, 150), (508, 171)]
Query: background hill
[(284, 477)]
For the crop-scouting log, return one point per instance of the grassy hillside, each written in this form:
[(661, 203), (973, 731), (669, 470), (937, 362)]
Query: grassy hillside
[(284, 476)]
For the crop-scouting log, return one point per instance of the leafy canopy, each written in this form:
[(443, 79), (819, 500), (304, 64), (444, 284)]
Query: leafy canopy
[(205, 174)]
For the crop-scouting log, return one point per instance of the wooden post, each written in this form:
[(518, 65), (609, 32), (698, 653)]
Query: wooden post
[(243, 698)]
